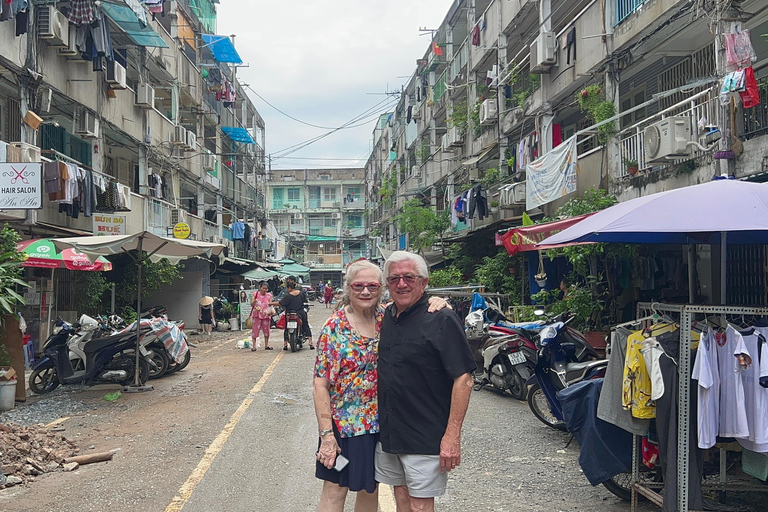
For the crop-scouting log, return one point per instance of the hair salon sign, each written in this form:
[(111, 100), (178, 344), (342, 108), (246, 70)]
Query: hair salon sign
[(21, 186)]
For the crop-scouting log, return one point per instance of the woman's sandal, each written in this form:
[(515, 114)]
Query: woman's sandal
[(253, 349), (268, 348)]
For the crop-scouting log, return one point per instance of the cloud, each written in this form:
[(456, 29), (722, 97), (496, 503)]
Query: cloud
[(325, 62)]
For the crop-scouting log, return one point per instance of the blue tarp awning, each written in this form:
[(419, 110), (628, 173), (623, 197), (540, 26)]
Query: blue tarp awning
[(136, 31), (238, 134), (222, 49)]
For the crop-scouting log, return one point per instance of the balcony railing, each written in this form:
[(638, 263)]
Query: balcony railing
[(756, 118), (626, 7), (210, 231), (702, 105)]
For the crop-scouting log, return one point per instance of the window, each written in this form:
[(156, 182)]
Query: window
[(277, 198), (355, 221), (634, 98), (294, 194), (353, 195), (330, 222), (329, 194), (314, 197)]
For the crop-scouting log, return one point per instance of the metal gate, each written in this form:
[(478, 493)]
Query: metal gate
[(746, 275)]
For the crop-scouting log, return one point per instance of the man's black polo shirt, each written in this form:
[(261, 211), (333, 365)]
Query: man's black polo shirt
[(420, 354)]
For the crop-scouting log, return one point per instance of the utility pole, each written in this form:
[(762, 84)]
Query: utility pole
[(501, 67)]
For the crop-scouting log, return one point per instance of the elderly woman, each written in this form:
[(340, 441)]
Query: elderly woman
[(345, 391)]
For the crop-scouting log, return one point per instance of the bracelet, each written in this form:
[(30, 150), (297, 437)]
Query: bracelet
[(324, 433)]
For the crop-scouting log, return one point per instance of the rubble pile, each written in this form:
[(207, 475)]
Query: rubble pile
[(26, 452)]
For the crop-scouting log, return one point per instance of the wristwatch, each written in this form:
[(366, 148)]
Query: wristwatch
[(324, 433)]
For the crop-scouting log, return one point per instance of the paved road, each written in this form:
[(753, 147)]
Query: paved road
[(236, 432)]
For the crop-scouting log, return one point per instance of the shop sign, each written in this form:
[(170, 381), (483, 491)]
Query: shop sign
[(181, 230), (109, 225), (21, 186)]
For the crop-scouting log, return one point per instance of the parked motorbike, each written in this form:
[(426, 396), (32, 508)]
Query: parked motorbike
[(564, 358), (73, 356)]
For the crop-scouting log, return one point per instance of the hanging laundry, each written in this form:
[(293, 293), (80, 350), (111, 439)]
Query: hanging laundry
[(238, 230), (705, 372), (81, 12), (138, 10), (570, 42), (750, 96), (476, 35), (738, 49)]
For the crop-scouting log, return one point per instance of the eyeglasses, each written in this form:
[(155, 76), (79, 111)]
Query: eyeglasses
[(409, 279), (359, 287)]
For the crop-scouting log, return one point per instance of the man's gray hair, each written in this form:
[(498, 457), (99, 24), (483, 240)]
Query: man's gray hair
[(400, 256)]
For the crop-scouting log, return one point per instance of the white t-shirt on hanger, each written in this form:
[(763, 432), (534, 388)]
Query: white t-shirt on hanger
[(733, 416), (652, 352), (705, 371), (755, 396)]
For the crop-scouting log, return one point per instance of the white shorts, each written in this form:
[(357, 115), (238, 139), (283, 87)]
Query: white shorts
[(420, 473)]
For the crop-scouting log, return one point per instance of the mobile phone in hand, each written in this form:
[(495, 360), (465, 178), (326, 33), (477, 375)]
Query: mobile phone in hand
[(341, 463)]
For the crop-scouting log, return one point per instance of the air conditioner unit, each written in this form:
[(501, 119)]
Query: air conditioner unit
[(667, 139), (191, 144), (209, 162), (445, 142), (488, 111), (29, 152), (455, 137), (518, 193), (336, 215), (116, 75), (347, 232), (145, 96), (179, 136), (52, 25), (71, 49), (298, 216), (177, 215), (86, 124), (543, 52), (416, 171)]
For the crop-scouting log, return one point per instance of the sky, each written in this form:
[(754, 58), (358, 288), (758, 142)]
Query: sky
[(326, 62)]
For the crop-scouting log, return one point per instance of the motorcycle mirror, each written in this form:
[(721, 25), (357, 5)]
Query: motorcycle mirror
[(539, 311)]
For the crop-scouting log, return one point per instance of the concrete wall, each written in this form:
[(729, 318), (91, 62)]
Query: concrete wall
[(589, 177), (754, 159), (182, 297), (638, 22), (669, 178)]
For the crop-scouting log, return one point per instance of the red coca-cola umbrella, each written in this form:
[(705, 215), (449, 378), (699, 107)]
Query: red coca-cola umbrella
[(41, 253)]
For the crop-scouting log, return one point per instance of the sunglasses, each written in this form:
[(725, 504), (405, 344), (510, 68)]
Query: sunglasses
[(359, 287), (408, 278)]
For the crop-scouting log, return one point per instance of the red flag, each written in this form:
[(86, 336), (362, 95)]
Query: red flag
[(436, 49)]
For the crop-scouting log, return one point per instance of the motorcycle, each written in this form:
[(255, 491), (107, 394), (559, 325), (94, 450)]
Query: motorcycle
[(293, 329), (73, 356), (564, 358)]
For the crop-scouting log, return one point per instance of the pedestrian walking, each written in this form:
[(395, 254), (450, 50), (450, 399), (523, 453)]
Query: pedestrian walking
[(425, 382), (261, 315), (328, 295), (345, 391), (206, 315)]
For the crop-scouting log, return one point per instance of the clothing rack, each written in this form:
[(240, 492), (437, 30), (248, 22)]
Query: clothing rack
[(687, 313)]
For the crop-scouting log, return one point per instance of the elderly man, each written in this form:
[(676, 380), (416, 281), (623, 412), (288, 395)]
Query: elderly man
[(425, 366)]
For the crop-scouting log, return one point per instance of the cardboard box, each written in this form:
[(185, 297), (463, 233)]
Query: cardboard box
[(7, 372)]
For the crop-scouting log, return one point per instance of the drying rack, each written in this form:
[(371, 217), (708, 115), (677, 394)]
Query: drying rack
[(687, 313)]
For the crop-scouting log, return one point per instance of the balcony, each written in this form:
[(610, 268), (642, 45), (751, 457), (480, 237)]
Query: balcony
[(210, 231), (631, 140), (624, 8)]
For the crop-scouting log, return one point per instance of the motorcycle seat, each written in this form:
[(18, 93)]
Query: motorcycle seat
[(99, 343), (574, 370)]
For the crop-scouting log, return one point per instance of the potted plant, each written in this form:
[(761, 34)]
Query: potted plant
[(230, 311), (541, 279), (631, 165), (494, 206)]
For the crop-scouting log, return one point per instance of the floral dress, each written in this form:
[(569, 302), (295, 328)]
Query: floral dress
[(348, 361)]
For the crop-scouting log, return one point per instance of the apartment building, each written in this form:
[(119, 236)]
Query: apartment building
[(320, 217), (499, 87), (142, 99)]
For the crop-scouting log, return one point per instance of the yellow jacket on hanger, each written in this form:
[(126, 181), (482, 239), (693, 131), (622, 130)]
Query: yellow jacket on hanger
[(636, 389)]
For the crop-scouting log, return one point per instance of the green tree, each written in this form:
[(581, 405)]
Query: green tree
[(154, 276), (495, 275), (450, 276), (10, 271), (422, 225), (91, 287)]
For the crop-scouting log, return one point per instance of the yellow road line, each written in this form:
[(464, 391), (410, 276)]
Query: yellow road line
[(185, 491), (221, 345), (56, 422), (386, 499)]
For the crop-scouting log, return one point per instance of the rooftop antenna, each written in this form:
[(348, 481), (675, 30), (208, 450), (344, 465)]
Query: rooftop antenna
[(424, 31)]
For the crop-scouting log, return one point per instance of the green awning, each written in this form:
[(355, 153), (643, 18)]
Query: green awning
[(317, 238), (260, 275), (137, 32), (294, 268)]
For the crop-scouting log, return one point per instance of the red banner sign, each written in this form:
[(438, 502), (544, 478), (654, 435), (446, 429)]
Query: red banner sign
[(525, 238)]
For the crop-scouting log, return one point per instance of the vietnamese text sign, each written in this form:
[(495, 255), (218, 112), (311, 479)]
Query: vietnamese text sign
[(525, 238), (552, 176), (109, 225), (21, 186)]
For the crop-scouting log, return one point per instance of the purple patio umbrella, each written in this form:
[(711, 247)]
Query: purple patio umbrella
[(718, 212)]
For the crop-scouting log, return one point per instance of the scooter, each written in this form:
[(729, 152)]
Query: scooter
[(564, 358), (72, 356), (293, 329), (505, 355)]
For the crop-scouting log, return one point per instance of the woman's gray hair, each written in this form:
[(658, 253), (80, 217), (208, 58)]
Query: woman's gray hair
[(401, 256), (352, 270)]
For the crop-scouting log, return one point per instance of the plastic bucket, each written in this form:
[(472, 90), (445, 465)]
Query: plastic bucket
[(234, 324), (7, 395)]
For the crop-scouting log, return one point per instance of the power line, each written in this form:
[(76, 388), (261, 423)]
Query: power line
[(288, 115)]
